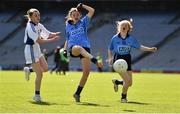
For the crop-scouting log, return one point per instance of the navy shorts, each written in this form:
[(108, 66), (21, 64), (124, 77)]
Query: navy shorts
[(80, 56), (125, 57)]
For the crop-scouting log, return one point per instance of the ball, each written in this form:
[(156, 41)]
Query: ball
[(120, 66)]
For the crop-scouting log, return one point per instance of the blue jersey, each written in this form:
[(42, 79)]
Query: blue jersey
[(123, 46), (77, 33)]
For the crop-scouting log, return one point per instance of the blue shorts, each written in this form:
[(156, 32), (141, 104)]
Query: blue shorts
[(80, 56)]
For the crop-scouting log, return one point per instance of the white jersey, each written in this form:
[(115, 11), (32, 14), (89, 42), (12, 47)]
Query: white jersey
[(32, 49)]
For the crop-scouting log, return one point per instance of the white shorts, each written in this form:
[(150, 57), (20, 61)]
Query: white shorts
[(32, 53)]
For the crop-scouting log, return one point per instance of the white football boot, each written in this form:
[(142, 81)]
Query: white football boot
[(27, 73), (124, 100), (37, 98), (115, 85)]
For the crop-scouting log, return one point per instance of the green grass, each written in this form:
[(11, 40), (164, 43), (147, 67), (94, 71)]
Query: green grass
[(151, 92)]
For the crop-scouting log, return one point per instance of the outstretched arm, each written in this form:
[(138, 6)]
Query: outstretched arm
[(53, 34), (149, 49), (42, 41)]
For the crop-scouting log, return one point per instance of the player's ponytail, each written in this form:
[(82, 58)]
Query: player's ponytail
[(30, 13), (118, 26), (130, 24)]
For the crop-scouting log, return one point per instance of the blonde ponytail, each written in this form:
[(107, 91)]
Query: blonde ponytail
[(29, 13)]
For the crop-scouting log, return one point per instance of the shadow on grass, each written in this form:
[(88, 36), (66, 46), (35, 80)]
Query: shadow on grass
[(139, 103), (42, 103), (129, 110), (92, 104)]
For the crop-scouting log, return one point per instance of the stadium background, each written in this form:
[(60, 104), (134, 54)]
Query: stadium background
[(156, 23)]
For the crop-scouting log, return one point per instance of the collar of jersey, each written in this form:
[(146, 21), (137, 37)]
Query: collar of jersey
[(118, 35), (33, 23)]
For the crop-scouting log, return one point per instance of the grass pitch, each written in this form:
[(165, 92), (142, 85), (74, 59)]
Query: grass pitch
[(151, 92)]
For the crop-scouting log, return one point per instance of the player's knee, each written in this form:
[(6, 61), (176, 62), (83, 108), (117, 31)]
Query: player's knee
[(129, 83), (45, 70), (76, 48)]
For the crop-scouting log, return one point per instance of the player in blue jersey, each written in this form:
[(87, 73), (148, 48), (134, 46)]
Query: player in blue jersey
[(36, 34), (78, 43), (119, 48)]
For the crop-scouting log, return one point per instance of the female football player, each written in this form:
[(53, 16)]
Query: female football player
[(119, 48), (36, 34), (78, 43)]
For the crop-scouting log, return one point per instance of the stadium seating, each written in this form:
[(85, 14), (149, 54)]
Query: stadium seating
[(150, 29), (167, 58)]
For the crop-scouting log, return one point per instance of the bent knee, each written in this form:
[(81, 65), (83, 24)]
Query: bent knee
[(45, 70), (76, 48), (128, 83)]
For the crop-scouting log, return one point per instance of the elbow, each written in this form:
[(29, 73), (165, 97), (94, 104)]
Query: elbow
[(93, 10)]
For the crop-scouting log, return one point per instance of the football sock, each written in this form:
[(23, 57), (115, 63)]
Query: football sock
[(123, 96), (94, 60), (118, 82), (78, 91), (37, 92), (30, 69)]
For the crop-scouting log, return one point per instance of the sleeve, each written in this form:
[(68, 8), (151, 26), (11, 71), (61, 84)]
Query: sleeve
[(86, 20), (111, 47), (32, 33), (135, 43), (44, 32)]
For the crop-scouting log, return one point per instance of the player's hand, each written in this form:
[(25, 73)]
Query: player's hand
[(57, 33), (80, 7), (52, 35), (154, 49), (56, 38), (110, 61)]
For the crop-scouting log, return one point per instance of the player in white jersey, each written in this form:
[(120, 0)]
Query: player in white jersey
[(36, 34)]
